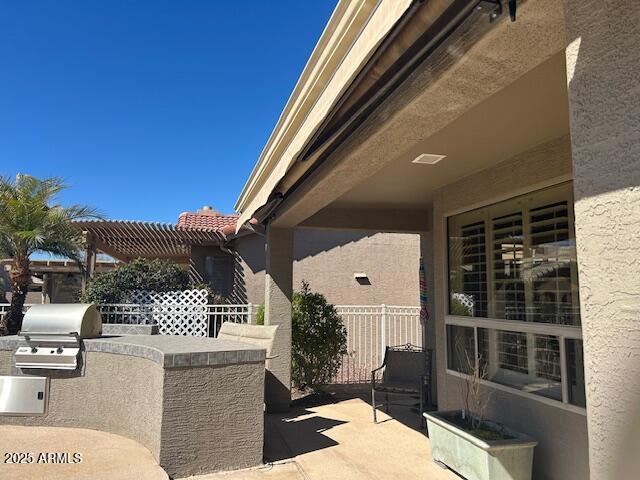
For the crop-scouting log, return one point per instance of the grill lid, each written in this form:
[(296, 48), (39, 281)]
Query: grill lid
[(54, 334), (61, 319)]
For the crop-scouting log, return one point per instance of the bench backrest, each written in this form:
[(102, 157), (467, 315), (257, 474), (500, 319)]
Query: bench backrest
[(404, 365)]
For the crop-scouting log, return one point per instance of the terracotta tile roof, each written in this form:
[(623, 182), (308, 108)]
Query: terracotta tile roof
[(207, 222)]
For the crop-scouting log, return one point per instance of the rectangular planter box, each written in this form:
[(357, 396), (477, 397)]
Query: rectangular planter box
[(477, 459)]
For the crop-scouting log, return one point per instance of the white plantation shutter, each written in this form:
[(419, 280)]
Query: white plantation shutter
[(508, 253), (474, 274), (553, 290)]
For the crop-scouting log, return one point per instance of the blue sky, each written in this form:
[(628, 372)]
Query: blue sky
[(148, 108)]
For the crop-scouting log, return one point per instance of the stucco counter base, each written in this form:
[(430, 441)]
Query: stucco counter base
[(195, 403)]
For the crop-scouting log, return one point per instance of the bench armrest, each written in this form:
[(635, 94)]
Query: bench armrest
[(373, 374)]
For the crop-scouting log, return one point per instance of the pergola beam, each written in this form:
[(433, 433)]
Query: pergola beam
[(103, 247), (124, 240)]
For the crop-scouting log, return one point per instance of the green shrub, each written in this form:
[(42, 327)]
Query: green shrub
[(140, 274), (318, 340), (213, 297), (260, 315), (458, 308)]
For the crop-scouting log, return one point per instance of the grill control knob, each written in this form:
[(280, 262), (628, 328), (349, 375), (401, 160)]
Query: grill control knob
[(34, 350)]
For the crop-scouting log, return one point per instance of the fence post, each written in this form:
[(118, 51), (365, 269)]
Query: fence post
[(250, 319), (383, 324)]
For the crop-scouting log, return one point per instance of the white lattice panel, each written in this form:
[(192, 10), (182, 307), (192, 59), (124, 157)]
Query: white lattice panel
[(175, 313), (465, 299)]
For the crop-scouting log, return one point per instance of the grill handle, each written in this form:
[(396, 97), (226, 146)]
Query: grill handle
[(27, 335)]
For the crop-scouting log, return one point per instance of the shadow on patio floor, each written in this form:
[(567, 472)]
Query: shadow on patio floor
[(297, 433), (335, 438), (407, 412)]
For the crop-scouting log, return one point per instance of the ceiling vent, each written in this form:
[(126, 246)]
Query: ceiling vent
[(428, 158)]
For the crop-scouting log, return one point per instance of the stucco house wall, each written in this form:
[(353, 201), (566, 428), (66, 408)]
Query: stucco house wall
[(604, 93), (562, 433), (328, 260)]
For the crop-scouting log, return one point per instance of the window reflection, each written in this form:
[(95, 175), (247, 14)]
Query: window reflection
[(526, 361), (516, 260)]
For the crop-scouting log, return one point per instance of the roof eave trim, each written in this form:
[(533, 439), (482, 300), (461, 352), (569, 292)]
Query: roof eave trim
[(348, 19)]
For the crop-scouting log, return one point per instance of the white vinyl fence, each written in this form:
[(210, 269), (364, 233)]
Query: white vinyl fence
[(370, 328)]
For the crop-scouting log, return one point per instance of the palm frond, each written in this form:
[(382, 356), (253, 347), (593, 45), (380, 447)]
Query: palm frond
[(82, 212), (31, 221)]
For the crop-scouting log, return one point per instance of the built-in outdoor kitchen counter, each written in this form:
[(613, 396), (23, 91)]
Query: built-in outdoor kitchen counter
[(196, 403)]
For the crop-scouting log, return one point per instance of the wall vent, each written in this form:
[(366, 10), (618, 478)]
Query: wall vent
[(428, 158)]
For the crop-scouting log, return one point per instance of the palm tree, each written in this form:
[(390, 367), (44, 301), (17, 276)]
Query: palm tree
[(30, 222)]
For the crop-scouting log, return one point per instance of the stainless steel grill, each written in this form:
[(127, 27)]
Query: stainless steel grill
[(54, 334)]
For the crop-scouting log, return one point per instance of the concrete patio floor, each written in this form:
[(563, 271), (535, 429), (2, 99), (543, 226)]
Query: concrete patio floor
[(339, 441), (332, 441), (104, 456)]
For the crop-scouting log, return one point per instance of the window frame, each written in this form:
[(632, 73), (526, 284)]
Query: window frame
[(229, 278), (562, 332)]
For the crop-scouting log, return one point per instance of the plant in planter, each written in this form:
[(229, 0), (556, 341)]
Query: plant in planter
[(475, 399), (472, 446)]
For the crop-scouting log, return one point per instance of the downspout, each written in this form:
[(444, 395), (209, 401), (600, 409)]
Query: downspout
[(266, 213)]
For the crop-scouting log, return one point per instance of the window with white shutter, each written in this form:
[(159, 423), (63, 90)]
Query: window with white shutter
[(512, 267)]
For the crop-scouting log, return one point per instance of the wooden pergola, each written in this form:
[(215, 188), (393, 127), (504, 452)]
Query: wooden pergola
[(127, 240)]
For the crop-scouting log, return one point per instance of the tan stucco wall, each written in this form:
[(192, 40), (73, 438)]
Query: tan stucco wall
[(603, 60), (249, 284), (32, 297), (206, 424), (277, 312), (88, 401), (562, 452), (198, 266), (329, 259), (191, 419)]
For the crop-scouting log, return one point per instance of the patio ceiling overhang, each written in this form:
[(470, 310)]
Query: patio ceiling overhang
[(367, 49), (486, 93), (353, 34), (127, 240), (531, 113)]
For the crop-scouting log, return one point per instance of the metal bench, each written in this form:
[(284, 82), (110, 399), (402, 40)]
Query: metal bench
[(406, 371)]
